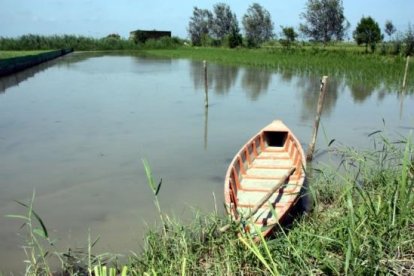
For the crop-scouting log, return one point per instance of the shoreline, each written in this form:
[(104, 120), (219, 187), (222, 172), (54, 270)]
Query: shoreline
[(10, 66)]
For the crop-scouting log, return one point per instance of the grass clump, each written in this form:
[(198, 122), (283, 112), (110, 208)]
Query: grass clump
[(362, 223), (367, 228), (192, 249)]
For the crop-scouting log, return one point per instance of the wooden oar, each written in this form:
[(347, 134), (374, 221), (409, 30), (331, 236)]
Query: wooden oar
[(263, 200)]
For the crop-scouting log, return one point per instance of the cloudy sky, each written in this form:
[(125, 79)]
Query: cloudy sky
[(98, 18)]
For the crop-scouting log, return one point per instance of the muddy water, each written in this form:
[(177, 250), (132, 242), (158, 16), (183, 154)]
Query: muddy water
[(75, 131)]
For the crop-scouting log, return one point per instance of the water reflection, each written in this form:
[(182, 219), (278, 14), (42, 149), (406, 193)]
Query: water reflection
[(361, 91), (14, 79), (66, 61), (220, 78), (310, 95), (77, 57), (286, 75), (256, 82)]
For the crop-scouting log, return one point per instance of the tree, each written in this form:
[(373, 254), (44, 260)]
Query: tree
[(389, 28), (368, 32), (289, 36), (325, 20), (258, 25), (226, 26), (409, 40), (235, 38), (200, 26), (223, 20), (114, 36)]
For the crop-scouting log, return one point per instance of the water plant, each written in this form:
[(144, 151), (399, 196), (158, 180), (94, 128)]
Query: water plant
[(39, 249), (37, 235)]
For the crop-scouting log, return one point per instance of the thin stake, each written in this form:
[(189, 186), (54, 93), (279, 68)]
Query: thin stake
[(205, 127), (264, 199), (405, 73), (311, 148), (205, 84)]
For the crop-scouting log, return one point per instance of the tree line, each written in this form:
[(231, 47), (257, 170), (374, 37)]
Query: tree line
[(323, 21)]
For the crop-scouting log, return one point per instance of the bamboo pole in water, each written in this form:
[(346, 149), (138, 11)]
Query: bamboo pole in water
[(311, 148), (405, 73), (205, 84)]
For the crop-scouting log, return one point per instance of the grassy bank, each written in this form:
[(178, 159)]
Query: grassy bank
[(12, 54), (361, 224), (340, 62)]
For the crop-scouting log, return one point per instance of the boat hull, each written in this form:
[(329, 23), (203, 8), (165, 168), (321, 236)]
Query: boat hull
[(255, 171)]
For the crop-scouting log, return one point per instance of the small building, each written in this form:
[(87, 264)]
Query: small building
[(142, 36)]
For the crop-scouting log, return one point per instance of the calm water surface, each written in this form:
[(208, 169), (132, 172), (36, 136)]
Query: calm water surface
[(76, 130)]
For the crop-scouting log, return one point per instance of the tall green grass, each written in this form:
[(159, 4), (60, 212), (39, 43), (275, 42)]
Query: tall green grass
[(362, 223), (37, 240), (82, 43), (373, 71)]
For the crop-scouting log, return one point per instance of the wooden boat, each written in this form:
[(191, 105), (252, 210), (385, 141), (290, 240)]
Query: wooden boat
[(251, 189)]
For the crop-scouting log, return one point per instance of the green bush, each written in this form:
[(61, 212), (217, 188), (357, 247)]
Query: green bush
[(163, 43), (409, 41)]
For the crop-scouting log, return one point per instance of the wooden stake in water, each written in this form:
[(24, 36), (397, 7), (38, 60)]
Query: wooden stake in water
[(205, 127), (311, 148), (205, 84), (405, 73)]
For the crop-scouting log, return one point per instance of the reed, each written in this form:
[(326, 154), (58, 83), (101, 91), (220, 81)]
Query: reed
[(36, 236)]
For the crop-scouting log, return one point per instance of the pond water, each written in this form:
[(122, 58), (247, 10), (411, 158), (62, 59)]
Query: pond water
[(75, 131)]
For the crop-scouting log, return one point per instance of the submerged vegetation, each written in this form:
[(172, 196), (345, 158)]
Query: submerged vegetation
[(361, 223)]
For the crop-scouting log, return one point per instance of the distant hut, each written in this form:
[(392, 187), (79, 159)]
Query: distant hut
[(142, 36)]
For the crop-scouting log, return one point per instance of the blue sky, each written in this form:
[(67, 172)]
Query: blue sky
[(99, 18)]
